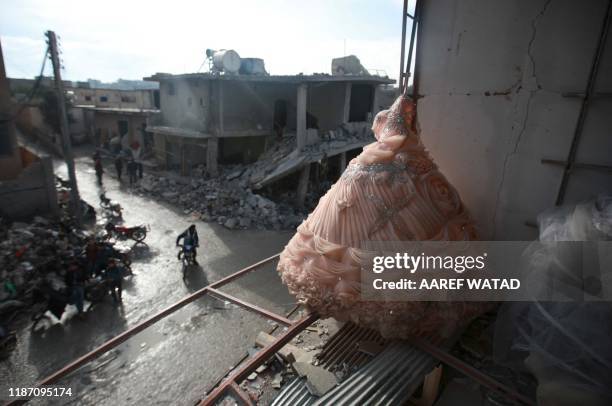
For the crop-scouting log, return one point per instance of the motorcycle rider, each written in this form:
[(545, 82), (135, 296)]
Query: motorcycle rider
[(191, 240), (114, 274)]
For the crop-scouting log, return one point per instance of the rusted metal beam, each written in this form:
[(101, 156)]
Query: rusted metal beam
[(115, 341), (242, 272), (256, 309), (470, 371), (251, 365), (241, 395)]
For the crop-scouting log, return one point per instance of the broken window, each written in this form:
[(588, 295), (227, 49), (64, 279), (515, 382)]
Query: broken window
[(87, 98), (104, 99), (361, 102), (128, 99)]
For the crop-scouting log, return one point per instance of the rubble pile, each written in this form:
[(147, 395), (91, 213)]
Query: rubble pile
[(226, 200), (32, 252), (282, 156), (230, 200)]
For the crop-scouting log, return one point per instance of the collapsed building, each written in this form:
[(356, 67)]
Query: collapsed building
[(278, 123)]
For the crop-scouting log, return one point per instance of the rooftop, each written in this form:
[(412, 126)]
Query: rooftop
[(292, 79)]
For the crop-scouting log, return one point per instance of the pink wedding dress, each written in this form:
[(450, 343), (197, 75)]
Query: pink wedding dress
[(392, 191)]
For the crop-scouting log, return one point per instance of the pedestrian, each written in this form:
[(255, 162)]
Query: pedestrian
[(99, 169), (91, 254), (131, 170), (140, 168), (119, 165), (75, 280), (114, 275)]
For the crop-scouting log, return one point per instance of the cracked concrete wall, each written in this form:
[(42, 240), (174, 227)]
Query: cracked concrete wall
[(492, 74)]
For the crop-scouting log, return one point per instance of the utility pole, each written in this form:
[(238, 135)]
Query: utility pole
[(75, 200)]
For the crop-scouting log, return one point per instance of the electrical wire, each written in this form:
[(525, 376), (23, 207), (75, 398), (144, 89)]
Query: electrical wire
[(24, 102)]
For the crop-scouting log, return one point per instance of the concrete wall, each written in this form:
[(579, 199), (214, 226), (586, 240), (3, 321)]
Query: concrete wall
[(188, 106), (135, 99), (108, 125), (32, 192), (251, 105), (492, 74)]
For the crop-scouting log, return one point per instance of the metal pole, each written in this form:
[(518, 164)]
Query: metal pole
[(585, 105), (75, 200), (401, 72), (415, 23)]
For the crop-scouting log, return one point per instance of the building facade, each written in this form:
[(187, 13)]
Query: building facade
[(210, 119)]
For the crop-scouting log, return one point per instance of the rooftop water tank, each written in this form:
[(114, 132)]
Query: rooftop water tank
[(226, 60), (252, 66)]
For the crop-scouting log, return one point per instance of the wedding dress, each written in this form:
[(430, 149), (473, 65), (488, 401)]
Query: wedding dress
[(392, 191)]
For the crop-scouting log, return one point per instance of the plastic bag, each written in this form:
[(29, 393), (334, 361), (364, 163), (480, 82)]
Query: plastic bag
[(566, 345)]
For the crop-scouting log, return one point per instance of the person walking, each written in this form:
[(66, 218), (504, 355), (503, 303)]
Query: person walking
[(131, 170), (75, 280), (119, 165), (99, 169)]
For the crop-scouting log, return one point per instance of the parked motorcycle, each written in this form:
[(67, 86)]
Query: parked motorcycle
[(137, 233)]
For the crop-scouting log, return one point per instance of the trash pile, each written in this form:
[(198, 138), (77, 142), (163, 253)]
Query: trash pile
[(226, 200), (34, 252)]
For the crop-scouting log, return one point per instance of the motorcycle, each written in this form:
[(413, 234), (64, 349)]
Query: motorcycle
[(187, 256), (137, 233), (114, 209), (123, 256)]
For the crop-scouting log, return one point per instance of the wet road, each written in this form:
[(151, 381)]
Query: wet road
[(179, 358)]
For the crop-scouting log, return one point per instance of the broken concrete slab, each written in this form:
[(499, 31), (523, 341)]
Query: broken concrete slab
[(319, 380)]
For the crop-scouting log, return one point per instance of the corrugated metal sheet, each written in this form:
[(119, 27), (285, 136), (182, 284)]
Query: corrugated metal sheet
[(295, 394), (341, 352), (389, 379)]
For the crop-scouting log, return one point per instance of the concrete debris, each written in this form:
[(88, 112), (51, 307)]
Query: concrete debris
[(282, 158), (319, 380), (289, 352), (252, 377), (226, 200), (230, 198), (32, 253), (277, 381)]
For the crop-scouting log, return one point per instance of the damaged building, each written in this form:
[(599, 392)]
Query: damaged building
[(279, 124), (96, 111)]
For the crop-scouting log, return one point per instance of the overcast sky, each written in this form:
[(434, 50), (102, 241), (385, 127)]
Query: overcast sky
[(126, 39)]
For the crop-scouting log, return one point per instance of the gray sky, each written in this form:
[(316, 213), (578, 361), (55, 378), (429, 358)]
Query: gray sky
[(126, 39)]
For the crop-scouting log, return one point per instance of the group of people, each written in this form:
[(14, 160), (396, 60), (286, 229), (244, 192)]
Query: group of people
[(99, 261), (134, 168)]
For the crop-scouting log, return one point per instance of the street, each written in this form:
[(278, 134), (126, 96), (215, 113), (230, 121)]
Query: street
[(178, 359)]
